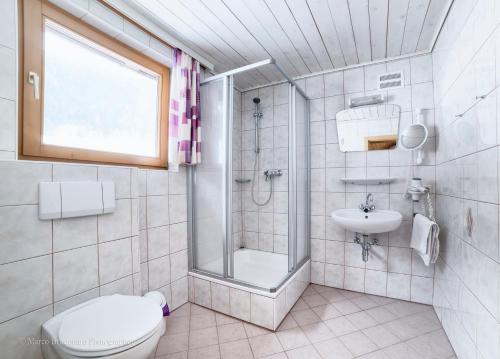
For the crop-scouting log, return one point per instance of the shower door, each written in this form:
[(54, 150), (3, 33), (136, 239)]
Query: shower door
[(209, 192)]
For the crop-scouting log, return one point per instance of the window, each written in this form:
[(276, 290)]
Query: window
[(88, 97)]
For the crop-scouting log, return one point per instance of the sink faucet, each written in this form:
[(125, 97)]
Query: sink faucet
[(368, 206)]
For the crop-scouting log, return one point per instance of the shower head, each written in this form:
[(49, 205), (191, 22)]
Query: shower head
[(257, 115)]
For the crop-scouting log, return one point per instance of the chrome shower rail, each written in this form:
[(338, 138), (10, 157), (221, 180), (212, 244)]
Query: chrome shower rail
[(253, 66)]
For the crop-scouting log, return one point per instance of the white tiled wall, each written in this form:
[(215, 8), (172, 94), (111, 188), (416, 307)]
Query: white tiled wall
[(393, 269), (163, 233), (466, 63)]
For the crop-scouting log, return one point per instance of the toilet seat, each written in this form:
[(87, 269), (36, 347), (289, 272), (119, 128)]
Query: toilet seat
[(108, 325)]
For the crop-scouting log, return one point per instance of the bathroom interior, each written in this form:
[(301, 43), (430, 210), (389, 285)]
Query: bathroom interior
[(249, 179)]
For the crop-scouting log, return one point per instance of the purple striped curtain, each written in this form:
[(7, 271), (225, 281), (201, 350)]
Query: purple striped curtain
[(184, 120)]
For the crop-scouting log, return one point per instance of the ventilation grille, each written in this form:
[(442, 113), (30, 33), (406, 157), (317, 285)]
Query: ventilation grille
[(391, 80)]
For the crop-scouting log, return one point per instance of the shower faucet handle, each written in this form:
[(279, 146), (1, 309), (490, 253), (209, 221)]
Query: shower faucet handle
[(271, 173)]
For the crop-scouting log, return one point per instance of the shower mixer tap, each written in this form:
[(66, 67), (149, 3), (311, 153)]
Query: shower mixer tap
[(272, 173)]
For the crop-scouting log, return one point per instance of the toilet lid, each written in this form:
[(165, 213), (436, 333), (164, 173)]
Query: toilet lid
[(109, 323)]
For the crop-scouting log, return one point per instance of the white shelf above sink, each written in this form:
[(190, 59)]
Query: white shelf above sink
[(379, 180)]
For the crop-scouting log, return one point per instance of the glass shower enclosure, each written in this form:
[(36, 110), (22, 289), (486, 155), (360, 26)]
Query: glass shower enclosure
[(249, 199)]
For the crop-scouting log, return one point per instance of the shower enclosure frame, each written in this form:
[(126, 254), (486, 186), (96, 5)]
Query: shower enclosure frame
[(227, 118)]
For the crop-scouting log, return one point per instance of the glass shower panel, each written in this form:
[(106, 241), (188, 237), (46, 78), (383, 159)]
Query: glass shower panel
[(302, 179), (209, 190)]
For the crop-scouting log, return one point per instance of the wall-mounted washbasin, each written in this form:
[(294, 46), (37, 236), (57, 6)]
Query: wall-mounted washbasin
[(377, 221)]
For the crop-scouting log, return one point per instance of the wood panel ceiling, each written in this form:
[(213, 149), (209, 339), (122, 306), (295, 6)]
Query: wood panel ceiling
[(304, 36)]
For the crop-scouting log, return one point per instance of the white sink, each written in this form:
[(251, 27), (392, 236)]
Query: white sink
[(378, 221)]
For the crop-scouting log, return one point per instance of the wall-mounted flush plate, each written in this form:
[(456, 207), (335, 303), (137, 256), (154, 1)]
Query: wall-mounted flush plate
[(75, 199), (80, 199)]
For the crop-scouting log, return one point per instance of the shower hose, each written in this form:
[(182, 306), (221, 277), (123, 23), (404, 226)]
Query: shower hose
[(253, 184)]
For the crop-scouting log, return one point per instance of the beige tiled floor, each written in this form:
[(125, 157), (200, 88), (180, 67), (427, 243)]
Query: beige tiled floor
[(325, 323)]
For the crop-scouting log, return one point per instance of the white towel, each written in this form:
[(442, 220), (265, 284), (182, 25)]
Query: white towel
[(425, 238)]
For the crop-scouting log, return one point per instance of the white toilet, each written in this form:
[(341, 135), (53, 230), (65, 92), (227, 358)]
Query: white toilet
[(114, 327)]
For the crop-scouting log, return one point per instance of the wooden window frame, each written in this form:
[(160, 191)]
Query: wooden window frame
[(31, 147)]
